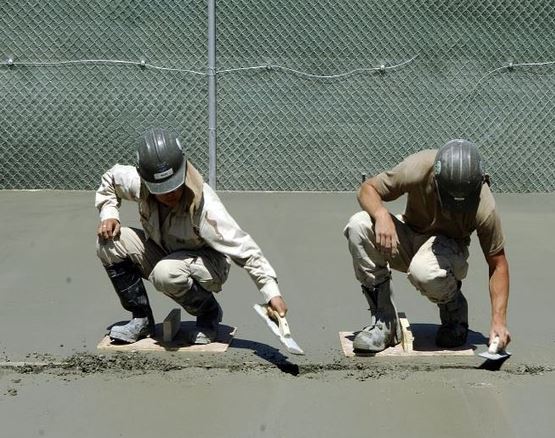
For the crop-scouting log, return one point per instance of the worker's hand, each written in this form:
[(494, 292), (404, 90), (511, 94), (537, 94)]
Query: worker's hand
[(501, 331), (387, 240), (108, 229), (278, 304)]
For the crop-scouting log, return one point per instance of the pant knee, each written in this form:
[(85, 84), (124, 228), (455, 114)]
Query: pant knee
[(168, 279), (107, 252), (358, 227), (112, 251), (436, 284)]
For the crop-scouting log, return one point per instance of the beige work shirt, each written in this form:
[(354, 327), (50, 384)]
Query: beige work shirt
[(414, 176), (204, 221)]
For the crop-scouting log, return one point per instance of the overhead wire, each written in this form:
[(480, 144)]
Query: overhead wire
[(10, 62), (382, 68), (511, 66)]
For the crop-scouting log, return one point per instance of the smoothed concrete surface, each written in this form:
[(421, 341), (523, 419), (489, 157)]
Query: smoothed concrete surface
[(56, 303)]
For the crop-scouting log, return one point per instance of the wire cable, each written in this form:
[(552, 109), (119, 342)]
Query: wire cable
[(511, 66), (382, 68), (141, 64)]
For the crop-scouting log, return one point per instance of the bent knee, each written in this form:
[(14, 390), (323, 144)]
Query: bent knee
[(358, 226), (169, 278), (436, 284), (106, 251), (163, 275), (111, 251)]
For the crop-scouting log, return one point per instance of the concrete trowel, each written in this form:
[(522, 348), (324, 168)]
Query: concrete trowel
[(279, 327), (494, 353)]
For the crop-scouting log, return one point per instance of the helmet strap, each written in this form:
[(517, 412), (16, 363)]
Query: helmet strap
[(487, 179)]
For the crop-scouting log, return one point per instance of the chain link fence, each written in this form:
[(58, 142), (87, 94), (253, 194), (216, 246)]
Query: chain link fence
[(311, 95), (62, 125)]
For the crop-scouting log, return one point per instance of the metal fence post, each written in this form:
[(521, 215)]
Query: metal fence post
[(212, 93)]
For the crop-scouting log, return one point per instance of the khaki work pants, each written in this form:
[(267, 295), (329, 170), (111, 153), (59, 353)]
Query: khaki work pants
[(435, 264), (173, 273)]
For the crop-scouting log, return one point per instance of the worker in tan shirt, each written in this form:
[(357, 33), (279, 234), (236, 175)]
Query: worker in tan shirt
[(448, 198), (185, 246)]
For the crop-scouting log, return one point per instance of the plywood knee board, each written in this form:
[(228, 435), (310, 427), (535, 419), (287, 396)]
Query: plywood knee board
[(419, 343), (171, 335)]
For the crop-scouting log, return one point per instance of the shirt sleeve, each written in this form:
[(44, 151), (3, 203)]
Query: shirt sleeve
[(221, 232), (412, 172), (120, 182)]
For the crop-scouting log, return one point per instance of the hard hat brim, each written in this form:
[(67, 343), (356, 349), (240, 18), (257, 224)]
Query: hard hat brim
[(170, 184), (448, 202)]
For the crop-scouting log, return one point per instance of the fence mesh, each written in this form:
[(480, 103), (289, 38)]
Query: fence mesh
[(280, 129), (62, 125), (284, 131)]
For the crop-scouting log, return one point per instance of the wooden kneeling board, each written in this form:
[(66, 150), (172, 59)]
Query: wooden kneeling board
[(178, 343), (415, 341)]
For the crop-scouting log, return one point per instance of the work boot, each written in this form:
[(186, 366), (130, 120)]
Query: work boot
[(128, 284), (371, 297), (384, 329), (206, 330), (454, 323), (201, 303), (131, 332)]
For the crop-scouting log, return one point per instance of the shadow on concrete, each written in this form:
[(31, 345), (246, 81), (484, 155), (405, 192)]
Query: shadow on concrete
[(268, 353), (492, 365), (424, 338)]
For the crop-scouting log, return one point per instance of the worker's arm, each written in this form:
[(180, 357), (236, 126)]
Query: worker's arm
[(499, 296), (120, 182), (384, 227), (220, 231)]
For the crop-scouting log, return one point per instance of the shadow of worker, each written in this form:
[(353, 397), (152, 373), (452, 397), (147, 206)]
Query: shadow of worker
[(268, 353)]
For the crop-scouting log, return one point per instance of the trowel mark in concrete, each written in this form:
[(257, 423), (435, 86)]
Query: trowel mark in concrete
[(82, 364)]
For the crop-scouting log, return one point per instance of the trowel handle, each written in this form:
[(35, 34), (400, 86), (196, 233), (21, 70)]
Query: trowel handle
[(494, 346), (284, 326), (282, 322)]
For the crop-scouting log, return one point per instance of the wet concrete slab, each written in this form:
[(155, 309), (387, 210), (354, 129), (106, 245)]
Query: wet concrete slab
[(56, 302)]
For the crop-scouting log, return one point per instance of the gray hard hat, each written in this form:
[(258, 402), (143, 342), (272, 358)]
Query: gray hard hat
[(458, 175), (160, 161)]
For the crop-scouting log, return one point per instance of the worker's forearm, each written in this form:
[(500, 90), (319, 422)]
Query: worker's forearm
[(499, 294), (371, 201)]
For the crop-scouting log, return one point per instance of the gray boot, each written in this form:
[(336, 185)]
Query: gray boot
[(454, 323), (384, 329), (131, 332), (201, 303), (206, 330), (131, 291)]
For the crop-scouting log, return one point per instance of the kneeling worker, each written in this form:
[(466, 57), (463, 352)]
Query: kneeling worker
[(448, 198), (184, 247)]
